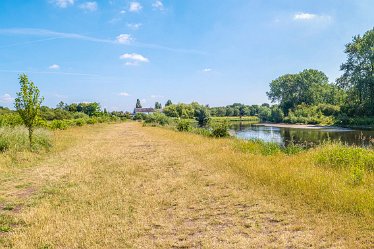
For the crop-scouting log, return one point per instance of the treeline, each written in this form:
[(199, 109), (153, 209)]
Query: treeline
[(309, 97), (64, 116)]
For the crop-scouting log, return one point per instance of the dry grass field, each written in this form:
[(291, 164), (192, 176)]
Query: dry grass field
[(128, 186)]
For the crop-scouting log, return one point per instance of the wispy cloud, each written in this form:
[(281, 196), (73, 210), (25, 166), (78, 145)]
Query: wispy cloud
[(124, 94), (54, 67), (135, 7), (157, 96), (49, 72), (6, 98), (89, 6), (63, 35), (207, 70), (62, 3), (134, 26), (158, 5), (124, 38), (133, 59), (304, 16)]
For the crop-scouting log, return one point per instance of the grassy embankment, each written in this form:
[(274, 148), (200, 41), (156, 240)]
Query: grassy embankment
[(181, 189)]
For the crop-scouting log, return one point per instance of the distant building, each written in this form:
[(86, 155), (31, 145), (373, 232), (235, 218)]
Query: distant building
[(144, 110)]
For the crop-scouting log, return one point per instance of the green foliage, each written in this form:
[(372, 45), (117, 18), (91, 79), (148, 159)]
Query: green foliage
[(168, 103), (139, 116), (10, 119), (158, 106), (157, 119), (59, 125), (264, 113), (308, 87), (305, 114), (16, 139), (220, 129), (28, 103), (184, 125), (138, 104), (202, 116), (358, 76)]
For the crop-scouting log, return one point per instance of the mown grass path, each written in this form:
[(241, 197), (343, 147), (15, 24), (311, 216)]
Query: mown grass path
[(128, 186)]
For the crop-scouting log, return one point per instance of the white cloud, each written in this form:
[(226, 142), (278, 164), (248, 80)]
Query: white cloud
[(206, 70), (134, 26), (124, 38), (89, 6), (6, 98), (134, 59), (63, 3), (157, 96), (303, 16), (135, 7), (158, 5), (124, 94), (122, 12), (54, 67)]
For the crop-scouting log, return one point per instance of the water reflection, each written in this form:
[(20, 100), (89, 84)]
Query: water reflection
[(306, 137)]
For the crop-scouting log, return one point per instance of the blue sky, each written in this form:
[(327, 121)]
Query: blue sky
[(213, 52)]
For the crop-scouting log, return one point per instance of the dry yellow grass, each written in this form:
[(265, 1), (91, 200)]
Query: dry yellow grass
[(127, 186)]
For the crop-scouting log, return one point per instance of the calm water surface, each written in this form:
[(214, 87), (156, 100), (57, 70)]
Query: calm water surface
[(307, 137)]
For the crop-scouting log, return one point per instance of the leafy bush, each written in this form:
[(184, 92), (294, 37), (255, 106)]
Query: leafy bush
[(10, 119), (139, 116), (80, 122), (59, 125), (202, 116), (184, 125), (157, 118), (220, 129)]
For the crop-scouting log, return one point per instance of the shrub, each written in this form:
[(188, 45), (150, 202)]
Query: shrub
[(10, 119), (80, 122), (257, 146), (139, 116), (92, 121), (59, 125), (220, 129), (184, 125), (157, 118), (202, 116)]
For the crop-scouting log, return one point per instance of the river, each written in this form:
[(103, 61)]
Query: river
[(307, 137)]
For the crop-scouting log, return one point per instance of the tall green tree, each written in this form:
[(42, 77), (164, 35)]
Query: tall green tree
[(358, 76), (158, 105), (138, 104), (168, 103), (308, 87), (28, 104), (202, 116)]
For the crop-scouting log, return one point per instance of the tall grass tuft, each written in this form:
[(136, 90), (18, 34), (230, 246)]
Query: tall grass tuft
[(16, 139)]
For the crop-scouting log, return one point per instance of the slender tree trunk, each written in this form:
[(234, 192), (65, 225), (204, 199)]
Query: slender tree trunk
[(31, 130)]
